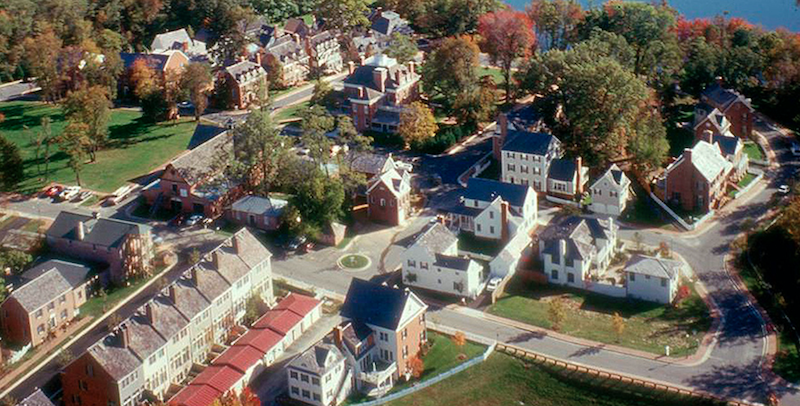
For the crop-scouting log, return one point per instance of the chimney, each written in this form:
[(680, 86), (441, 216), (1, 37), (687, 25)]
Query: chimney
[(351, 67), (195, 276), (441, 219), (150, 313), (378, 12), (562, 249), (687, 154), (124, 336), (296, 37), (503, 221), (360, 61), (579, 180), (236, 244), (258, 58), (185, 46), (173, 294), (708, 136), (499, 140), (215, 259), (338, 336), (379, 77), (719, 80), (412, 67), (80, 231)]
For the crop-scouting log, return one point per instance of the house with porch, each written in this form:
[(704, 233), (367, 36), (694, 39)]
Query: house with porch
[(653, 279), (576, 249)]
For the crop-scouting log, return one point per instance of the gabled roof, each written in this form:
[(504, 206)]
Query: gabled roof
[(707, 160), (280, 321), (104, 232), (261, 206), (728, 145), (188, 300), (398, 184), (245, 71), (564, 170), (318, 359), (74, 273), (614, 175), (145, 341), (452, 262), (372, 164), (298, 304), (579, 233), (723, 98), (529, 142), (372, 303), (486, 190), (38, 292), (296, 26), (167, 320), (196, 395), (115, 359), (364, 75), (652, 266), (37, 398), (260, 339), (239, 357), (435, 238), (201, 163), (168, 39), (219, 377), (389, 22)]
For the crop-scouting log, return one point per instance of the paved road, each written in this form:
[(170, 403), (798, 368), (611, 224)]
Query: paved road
[(14, 90)]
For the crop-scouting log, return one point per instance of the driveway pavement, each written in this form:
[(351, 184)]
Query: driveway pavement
[(17, 89)]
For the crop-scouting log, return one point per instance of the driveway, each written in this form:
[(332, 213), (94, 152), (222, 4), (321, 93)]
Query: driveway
[(17, 89)]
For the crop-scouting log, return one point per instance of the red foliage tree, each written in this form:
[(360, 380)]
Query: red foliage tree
[(506, 35), (248, 398), (417, 367)]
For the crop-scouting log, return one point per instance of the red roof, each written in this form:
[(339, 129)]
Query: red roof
[(299, 304), (195, 395), (240, 357), (282, 321), (219, 377), (261, 339)]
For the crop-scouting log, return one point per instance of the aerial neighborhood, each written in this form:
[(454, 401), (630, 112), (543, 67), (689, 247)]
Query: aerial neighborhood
[(405, 202)]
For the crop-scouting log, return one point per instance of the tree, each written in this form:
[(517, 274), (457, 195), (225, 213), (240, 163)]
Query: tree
[(556, 22), (556, 313), (113, 321), (638, 239), (90, 106), (255, 307), (64, 358), (41, 53), (260, 150), (15, 260), (316, 124), (417, 124), (451, 69), (459, 338), (194, 256), (447, 18), (618, 324), (248, 398), (343, 15), (155, 106), (506, 36), (143, 79), (648, 145), (476, 104), (196, 82), (318, 201), (790, 219), (417, 366), (11, 165), (74, 142), (45, 134), (402, 47), (274, 74), (323, 94)]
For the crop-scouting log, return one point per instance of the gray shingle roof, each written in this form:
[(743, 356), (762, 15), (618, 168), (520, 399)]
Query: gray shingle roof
[(200, 163), (73, 273), (528, 142), (486, 190), (167, 320), (261, 206), (452, 262), (318, 359), (436, 238), (368, 163), (562, 169), (37, 398), (189, 301), (40, 291), (580, 234), (240, 71), (145, 341), (104, 232), (115, 359), (657, 267)]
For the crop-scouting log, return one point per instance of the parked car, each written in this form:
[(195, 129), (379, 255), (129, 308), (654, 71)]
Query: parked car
[(84, 195), (53, 191), (177, 220), (193, 220), (295, 243), (493, 284), (783, 189), (69, 193), (306, 248)]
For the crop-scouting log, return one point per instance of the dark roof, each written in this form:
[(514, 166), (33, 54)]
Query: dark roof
[(73, 273), (372, 303), (722, 97), (563, 170), (203, 133), (296, 26), (167, 319), (315, 359), (452, 262), (104, 232), (727, 144), (263, 206), (156, 62), (200, 162), (387, 116), (487, 190), (389, 22), (369, 163), (115, 359), (528, 142), (523, 118), (38, 292)]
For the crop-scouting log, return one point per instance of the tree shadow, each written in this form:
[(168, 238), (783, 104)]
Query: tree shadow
[(527, 336), (737, 382), (19, 116), (585, 351)]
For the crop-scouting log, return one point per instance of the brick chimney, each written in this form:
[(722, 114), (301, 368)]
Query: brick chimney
[(499, 140), (351, 67), (215, 258), (379, 77), (80, 231), (708, 136), (173, 294), (412, 67), (504, 221), (149, 312), (338, 336), (196, 276), (687, 154), (124, 336), (236, 244), (578, 176)]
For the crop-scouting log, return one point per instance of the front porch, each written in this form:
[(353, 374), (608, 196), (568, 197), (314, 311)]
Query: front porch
[(378, 380)]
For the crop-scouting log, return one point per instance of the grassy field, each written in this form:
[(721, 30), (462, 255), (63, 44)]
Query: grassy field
[(135, 147), (290, 112), (648, 326), (468, 242), (495, 73), (503, 380), (752, 150), (98, 305), (743, 183)]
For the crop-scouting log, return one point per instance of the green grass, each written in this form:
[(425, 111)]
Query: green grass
[(354, 261), (346, 240), (640, 212), (648, 326), (275, 93), (503, 380), (32, 226), (742, 183), (468, 242), (92, 200), (98, 305), (291, 112), (135, 147), (495, 73), (752, 150), (442, 356)]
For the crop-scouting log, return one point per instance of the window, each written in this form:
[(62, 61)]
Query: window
[(511, 167), (570, 277), (183, 193), (317, 397), (40, 329), (491, 214), (89, 370), (306, 394), (412, 263), (440, 281), (51, 306), (304, 378), (647, 276), (491, 229), (62, 299), (554, 274), (315, 380), (295, 390), (478, 227), (39, 314), (174, 188), (633, 277), (293, 374), (663, 282), (383, 202), (423, 265), (82, 385), (405, 351), (64, 314)]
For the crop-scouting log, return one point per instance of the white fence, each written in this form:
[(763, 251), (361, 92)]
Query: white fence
[(17, 355), (476, 169), (561, 201), (607, 289), (438, 378), (678, 218)]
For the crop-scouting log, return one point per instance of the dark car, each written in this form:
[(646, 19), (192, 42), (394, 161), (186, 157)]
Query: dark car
[(306, 248), (177, 220), (295, 243)]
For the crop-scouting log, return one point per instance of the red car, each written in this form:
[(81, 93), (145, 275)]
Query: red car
[(306, 248), (53, 191)]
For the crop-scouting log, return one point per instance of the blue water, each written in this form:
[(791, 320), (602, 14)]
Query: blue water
[(770, 14)]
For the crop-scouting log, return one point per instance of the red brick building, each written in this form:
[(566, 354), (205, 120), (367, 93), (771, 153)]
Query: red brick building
[(165, 64), (244, 81), (389, 197), (378, 89), (736, 108), (697, 180)]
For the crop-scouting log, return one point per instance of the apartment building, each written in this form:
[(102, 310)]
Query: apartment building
[(320, 376)]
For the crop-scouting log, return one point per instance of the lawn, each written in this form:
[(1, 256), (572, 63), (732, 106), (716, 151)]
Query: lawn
[(493, 172), (468, 242), (443, 355), (648, 326), (743, 183), (290, 112), (495, 73), (100, 304), (752, 150), (503, 380), (354, 261), (135, 147)]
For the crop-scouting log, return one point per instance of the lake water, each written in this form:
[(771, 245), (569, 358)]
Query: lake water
[(770, 14)]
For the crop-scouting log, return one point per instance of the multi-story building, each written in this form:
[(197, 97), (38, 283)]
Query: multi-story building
[(575, 249), (158, 344), (288, 52), (179, 40), (652, 278), (125, 247), (611, 192), (320, 376), (736, 108), (389, 197), (377, 90), (697, 180), (526, 157), (432, 262), (388, 328), (168, 64), (245, 81), (324, 52), (194, 183), (48, 298)]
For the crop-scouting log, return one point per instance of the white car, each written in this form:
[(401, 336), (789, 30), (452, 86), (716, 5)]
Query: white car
[(69, 193), (783, 189), (493, 284)]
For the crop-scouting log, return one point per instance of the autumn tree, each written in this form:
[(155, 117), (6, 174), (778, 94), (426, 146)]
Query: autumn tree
[(618, 324), (248, 398), (506, 36), (11, 165), (343, 15), (74, 142), (255, 307), (259, 150), (143, 78), (556, 313), (417, 366), (90, 106), (476, 104), (417, 124), (196, 82), (556, 22), (41, 53), (274, 73), (451, 69), (790, 219), (402, 47), (459, 338)]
